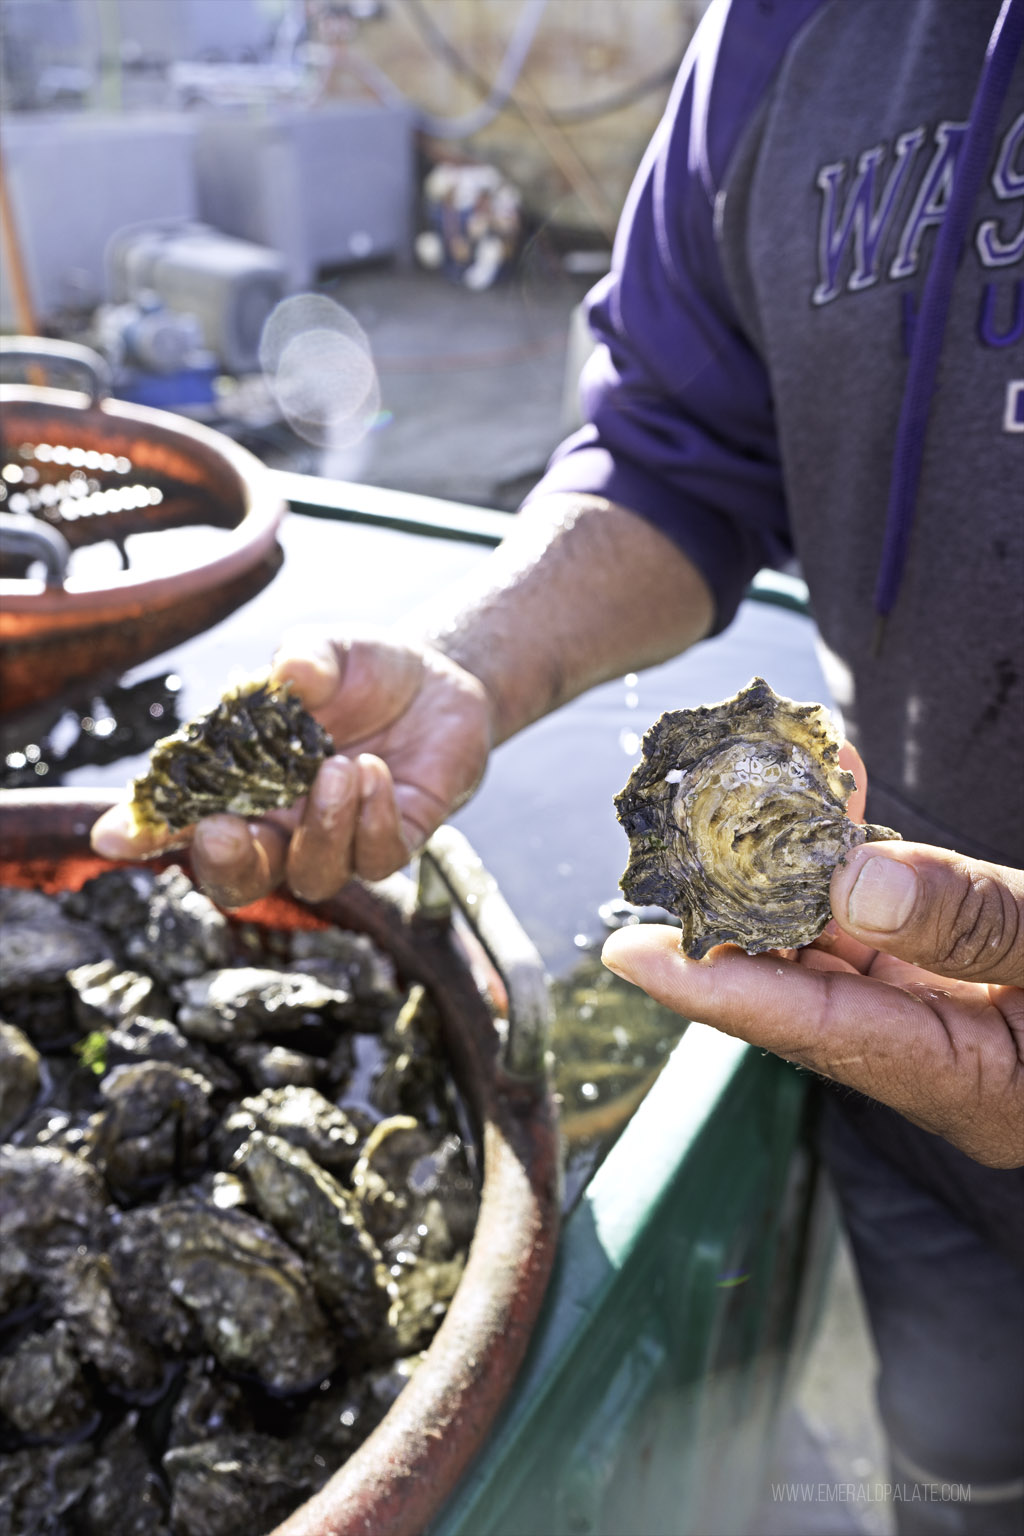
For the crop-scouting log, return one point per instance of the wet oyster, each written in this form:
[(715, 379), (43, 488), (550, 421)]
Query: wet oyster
[(157, 1115), (78, 1288), (183, 933), (42, 1390), (736, 818), (249, 1293), (301, 1116), (38, 1487), (126, 1497), (238, 1484), (322, 1221), (19, 1076), (256, 749), (248, 1001)]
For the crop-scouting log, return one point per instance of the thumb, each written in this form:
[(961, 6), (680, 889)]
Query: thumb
[(310, 660), (949, 914)]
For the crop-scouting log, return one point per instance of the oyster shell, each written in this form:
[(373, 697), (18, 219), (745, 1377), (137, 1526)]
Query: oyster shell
[(183, 933), (248, 1001), (249, 1293), (126, 1497), (237, 1484), (736, 818), (19, 1076), (256, 749), (321, 1220), (157, 1115), (301, 1116), (42, 1390), (39, 1486)]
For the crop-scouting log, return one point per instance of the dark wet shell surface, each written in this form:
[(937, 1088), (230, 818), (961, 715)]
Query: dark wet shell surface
[(203, 1310), (736, 818), (258, 749)]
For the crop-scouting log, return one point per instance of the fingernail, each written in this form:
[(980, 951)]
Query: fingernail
[(883, 895), (331, 789), (111, 844), (611, 959)]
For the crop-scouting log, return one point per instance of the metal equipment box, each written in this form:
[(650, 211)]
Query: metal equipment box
[(326, 186), (74, 179)]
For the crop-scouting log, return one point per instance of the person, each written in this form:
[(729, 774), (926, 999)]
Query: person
[(809, 343)]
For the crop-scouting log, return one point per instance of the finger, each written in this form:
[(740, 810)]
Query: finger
[(851, 760), (833, 941), (321, 851), (920, 1056), (116, 835), (952, 915), (796, 1011), (236, 863), (380, 846)]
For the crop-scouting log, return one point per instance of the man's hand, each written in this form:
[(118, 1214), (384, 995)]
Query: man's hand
[(580, 590), (411, 730), (912, 996)]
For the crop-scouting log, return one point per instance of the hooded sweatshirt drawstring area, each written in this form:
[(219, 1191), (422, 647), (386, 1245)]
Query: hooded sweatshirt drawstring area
[(929, 329)]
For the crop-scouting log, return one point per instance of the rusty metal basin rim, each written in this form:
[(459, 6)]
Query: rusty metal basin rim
[(246, 544)]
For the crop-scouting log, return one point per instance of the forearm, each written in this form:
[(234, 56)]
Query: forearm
[(579, 592)]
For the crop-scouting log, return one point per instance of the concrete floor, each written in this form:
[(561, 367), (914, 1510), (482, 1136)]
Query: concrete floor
[(471, 383), (473, 389)]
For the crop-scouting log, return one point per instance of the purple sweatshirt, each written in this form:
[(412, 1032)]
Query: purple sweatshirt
[(747, 389)]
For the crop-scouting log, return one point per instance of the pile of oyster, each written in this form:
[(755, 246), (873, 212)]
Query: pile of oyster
[(236, 1194)]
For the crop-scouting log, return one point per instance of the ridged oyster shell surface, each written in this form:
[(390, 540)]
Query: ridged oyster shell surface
[(736, 818), (257, 749)]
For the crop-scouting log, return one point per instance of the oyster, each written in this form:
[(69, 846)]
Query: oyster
[(78, 1288), (249, 1293), (126, 1497), (106, 994), (256, 749), (19, 1076), (138, 1284), (157, 1115), (237, 1484), (39, 1486), (117, 899), (301, 1116), (38, 946), (183, 933), (42, 1390), (736, 818), (247, 1001), (321, 1220)]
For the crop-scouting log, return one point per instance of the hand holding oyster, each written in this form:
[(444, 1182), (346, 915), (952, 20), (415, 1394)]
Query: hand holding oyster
[(258, 749), (736, 818)]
